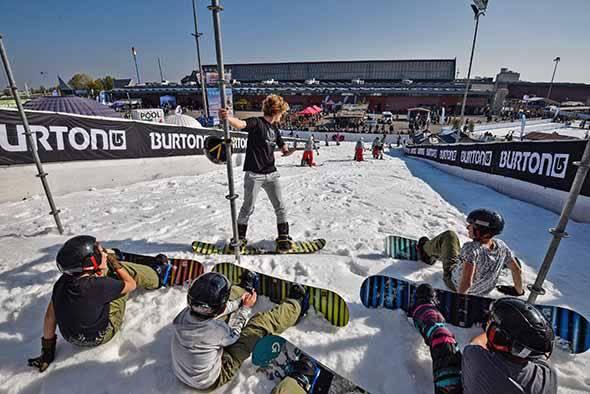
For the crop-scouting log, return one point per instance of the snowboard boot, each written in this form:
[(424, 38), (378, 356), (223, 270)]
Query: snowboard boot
[(249, 281), (242, 229), (297, 292), (305, 371), (163, 268), (284, 241), (422, 256)]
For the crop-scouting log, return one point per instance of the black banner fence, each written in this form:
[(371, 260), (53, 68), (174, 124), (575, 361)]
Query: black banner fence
[(63, 137), (544, 163)]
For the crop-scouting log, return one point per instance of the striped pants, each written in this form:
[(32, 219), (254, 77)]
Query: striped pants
[(446, 356)]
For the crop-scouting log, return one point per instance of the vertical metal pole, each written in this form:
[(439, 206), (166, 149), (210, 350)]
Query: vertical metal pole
[(160, 67), (556, 60), (559, 231), (135, 61), (200, 68), (469, 72), (232, 196), (32, 143)]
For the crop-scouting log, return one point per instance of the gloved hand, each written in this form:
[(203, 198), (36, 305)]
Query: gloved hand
[(509, 290), (47, 354)]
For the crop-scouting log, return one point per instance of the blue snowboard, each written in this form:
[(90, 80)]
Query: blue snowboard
[(275, 357), (467, 310)]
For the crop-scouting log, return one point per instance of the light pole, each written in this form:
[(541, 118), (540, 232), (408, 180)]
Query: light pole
[(134, 53), (196, 34), (556, 60), (160, 67), (479, 9)]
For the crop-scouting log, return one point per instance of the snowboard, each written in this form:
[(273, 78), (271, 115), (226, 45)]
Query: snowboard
[(401, 248), (181, 273), (275, 357), (467, 310), (299, 247), (326, 302)]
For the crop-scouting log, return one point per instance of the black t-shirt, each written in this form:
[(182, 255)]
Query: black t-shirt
[(82, 306), (263, 138)]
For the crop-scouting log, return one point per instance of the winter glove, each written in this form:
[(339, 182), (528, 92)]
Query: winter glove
[(509, 290), (47, 354)]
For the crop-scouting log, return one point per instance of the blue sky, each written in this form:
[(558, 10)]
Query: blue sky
[(68, 36)]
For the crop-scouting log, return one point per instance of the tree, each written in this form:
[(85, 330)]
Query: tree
[(108, 82), (7, 92), (81, 81)]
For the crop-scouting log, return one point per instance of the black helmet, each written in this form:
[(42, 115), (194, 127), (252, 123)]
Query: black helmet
[(208, 294), (518, 328), (489, 222), (78, 254)]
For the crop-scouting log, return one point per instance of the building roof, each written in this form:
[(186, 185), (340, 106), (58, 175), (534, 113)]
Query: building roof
[(72, 105), (322, 89)]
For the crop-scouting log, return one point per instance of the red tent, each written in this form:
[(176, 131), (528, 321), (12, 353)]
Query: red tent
[(318, 109), (308, 111)]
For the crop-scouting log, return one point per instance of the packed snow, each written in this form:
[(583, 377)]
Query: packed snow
[(352, 205)]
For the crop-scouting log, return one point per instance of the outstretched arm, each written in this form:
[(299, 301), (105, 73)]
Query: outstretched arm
[(233, 122), (516, 271), (466, 278)]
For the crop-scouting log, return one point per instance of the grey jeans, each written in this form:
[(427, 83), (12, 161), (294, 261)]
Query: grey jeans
[(270, 183)]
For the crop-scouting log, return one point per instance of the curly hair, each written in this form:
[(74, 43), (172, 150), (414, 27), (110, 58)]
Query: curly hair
[(273, 105)]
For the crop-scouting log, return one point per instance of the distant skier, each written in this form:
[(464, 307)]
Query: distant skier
[(475, 267), (326, 139), (213, 335), (259, 165), (506, 358), (310, 146), (88, 299), (358, 150), (338, 139)]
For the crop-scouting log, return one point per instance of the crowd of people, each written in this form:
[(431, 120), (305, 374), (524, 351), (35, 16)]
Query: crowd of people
[(215, 332)]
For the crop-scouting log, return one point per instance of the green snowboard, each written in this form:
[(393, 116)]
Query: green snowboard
[(326, 302)]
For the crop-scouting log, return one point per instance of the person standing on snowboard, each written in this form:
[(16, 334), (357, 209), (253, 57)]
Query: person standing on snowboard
[(358, 149), (259, 165), (310, 146), (88, 299)]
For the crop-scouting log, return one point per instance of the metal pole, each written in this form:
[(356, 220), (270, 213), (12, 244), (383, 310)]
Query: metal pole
[(200, 68), (470, 64), (32, 143), (160, 67), (556, 60), (559, 231), (232, 196), (135, 61)]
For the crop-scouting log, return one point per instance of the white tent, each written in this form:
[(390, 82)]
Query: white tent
[(183, 120)]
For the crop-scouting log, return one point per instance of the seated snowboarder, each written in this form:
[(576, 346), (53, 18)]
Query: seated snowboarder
[(88, 299), (475, 267), (212, 335), (507, 358), (259, 165)]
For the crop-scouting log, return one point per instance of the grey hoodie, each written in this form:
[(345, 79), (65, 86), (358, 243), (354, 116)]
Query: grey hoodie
[(197, 344)]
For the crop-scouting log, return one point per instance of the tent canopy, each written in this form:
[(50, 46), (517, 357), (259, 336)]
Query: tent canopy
[(309, 111), (71, 105)]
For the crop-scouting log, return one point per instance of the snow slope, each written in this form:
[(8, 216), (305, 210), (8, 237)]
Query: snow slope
[(353, 205)]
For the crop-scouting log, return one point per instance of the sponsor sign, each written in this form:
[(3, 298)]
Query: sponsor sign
[(60, 137), (148, 115), (545, 163)]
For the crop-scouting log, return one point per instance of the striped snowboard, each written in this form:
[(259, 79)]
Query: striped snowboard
[(326, 302), (401, 248), (300, 247), (467, 310), (183, 271)]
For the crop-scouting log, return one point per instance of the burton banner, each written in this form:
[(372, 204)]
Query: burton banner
[(63, 137), (544, 163)]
